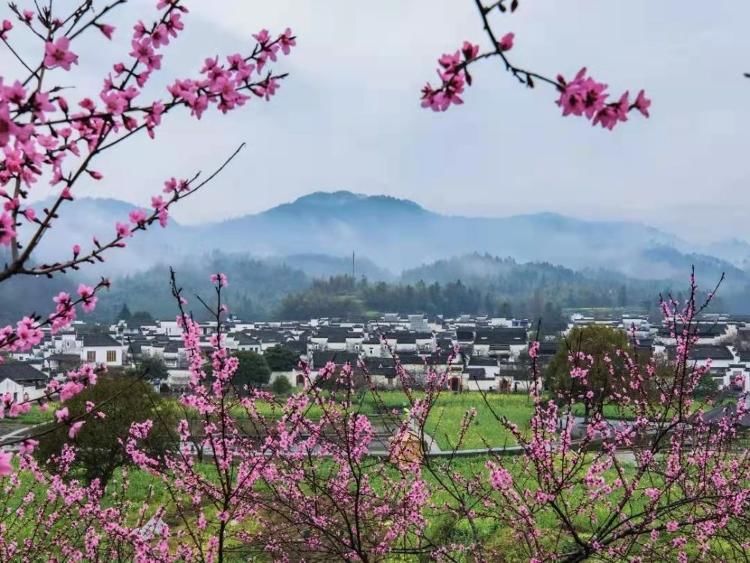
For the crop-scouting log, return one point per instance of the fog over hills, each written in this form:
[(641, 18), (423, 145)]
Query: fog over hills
[(390, 235), (283, 251)]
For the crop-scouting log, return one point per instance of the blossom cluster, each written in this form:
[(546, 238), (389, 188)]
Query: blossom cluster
[(582, 96), (453, 77), (585, 97)]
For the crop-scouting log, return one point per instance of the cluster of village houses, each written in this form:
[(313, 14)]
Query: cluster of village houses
[(478, 353)]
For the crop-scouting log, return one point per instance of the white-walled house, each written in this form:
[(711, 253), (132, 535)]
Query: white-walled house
[(67, 343), (101, 349), (169, 328), (490, 366), (476, 379), (426, 342), (354, 342), (372, 347), (719, 358), (502, 342), (178, 379), (244, 342), (406, 342), (22, 381)]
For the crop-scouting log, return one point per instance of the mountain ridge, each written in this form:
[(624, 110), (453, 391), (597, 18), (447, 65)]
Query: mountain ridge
[(396, 234)]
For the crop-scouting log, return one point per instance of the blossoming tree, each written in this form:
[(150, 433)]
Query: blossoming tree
[(49, 137)]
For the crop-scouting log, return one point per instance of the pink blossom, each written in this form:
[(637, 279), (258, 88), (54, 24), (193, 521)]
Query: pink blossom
[(75, 428), (62, 414), (122, 230), (57, 54), (642, 103), (534, 349), (137, 217), (144, 53), (160, 36), (6, 467), (7, 229), (506, 42), (469, 51), (219, 279), (106, 29), (88, 296), (582, 96), (28, 333), (500, 478), (115, 101), (611, 114), (28, 446), (6, 27), (69, 390), (173, 185), (30, 214), (287, 41)]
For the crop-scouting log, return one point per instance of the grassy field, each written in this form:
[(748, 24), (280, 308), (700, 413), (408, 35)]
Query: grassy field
[(444, 421)]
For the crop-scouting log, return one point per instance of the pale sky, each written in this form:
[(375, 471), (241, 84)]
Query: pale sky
[(348, 117)]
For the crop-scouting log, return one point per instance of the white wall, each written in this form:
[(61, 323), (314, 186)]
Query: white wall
[(100, 355), (17, 390)]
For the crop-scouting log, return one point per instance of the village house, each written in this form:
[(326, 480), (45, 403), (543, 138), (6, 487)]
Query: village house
[(101, 349), (500, 342), (21, 381)]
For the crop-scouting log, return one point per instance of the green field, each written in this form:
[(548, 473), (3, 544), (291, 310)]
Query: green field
[(444, 421)]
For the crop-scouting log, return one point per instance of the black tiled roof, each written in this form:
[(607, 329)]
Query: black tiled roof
[(97, 340), (476, 361), (465, 335), (705, 353), (245, 339), (20, 372), (411, 359)]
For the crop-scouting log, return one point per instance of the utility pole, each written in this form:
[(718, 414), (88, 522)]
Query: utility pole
[(353, 270)]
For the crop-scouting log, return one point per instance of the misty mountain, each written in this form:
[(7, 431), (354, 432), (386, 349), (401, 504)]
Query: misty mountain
[(399, 233), (386, 232)]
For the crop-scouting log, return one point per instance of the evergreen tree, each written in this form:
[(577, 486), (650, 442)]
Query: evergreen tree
[(124, 314)]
